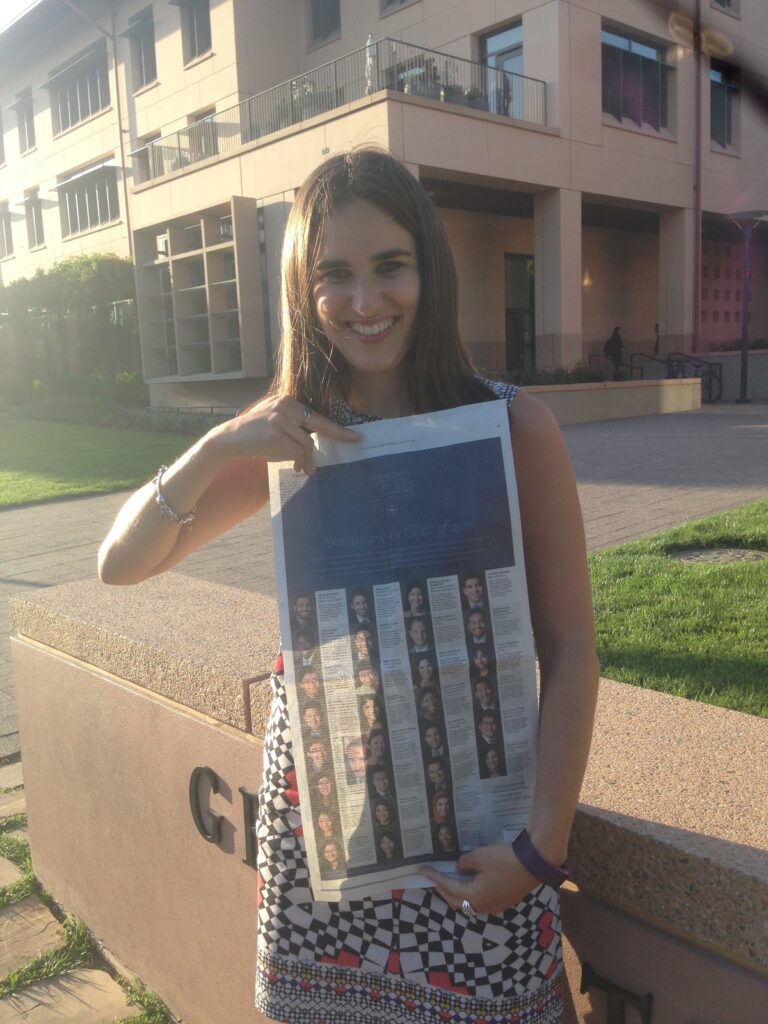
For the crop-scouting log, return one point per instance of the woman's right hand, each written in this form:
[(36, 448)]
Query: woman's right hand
[(224, 476), (277, 429)]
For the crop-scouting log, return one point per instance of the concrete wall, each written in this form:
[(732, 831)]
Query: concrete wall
[(583, 403), (671, 875)]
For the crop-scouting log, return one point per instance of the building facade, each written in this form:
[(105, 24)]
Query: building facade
[(571, 150)]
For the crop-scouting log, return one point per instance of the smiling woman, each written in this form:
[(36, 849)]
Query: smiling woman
[(369, 323)]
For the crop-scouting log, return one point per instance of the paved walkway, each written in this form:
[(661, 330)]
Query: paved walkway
[(635, 477), (28, 928)]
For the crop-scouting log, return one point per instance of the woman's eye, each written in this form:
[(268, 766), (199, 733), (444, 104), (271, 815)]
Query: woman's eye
[(390, 266), (338, 274)]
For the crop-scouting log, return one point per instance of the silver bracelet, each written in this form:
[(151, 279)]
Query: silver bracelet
[(165, 509)]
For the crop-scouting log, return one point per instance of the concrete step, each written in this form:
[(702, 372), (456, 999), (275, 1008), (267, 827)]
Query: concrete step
[(11, 775), (80, 997), (12, 803), (26, 929), (9, 873)]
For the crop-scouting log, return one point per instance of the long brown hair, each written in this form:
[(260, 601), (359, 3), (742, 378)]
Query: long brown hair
[(438, 371)]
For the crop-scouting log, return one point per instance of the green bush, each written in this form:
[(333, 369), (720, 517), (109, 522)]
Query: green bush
[(578, 374)]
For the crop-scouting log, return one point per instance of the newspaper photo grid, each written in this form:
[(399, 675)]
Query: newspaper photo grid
[(408, 649)]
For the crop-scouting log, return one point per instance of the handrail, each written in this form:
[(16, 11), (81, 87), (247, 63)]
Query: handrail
[(386, 64)]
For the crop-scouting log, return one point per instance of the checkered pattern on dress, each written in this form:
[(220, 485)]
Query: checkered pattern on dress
[(414, 935)]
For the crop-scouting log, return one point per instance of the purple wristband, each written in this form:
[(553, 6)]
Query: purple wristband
[(535, 864)]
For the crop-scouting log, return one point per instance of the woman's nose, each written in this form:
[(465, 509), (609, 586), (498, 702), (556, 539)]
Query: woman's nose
[(365, 298)]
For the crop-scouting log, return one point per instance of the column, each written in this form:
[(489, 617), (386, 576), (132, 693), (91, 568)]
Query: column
[(677, 240), (557, 260)]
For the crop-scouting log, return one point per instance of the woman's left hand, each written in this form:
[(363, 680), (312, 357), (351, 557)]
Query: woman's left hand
[(499, 880)]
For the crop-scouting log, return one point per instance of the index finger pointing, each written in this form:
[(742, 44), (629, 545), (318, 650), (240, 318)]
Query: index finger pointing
[(320, 424)]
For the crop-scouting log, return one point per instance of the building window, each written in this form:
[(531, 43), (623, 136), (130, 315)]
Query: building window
[(25, 116), (636, 79), (202, 135), (33, 209), (88, 198), (141, 35), (195, 27), (149, 159), (723, 103), (6, 234), (325, 19), (391, 5), (80, 88)]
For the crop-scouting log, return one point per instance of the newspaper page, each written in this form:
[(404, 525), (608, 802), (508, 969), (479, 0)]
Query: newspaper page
[(408, 649)]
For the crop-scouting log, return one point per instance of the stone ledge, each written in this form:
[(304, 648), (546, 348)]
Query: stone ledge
[(198, 643), (672, 827)]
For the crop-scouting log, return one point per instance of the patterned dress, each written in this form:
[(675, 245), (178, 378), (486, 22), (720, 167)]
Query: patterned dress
[(406, 958)]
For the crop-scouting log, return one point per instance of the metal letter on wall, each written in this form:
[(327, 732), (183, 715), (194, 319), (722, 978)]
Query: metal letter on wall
[(250, 811), (212, 834)]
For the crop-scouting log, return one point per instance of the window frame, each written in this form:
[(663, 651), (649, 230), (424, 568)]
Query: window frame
[(80, 89), (726, 93), (6, 231), (33, 214), (142, 43), (314, 38), (2, 141), (25, 121), (636, 85), (387, 7), (95, 193), (191, 12)]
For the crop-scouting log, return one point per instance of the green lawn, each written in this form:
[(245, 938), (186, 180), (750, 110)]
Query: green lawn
[(689, 629), (42, 460)]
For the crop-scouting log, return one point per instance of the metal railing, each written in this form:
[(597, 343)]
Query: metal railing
[(384, 64)]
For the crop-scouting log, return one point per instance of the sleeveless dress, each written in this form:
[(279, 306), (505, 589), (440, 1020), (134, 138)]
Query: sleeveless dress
[(405, 958)]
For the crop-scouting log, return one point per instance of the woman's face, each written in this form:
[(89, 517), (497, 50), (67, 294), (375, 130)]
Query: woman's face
[(428, 705), (370, 711), (481, 660), (492, 762), (377, 748), (382, 814), (416, 599), (366, 288), (331, 855), (425, 671), (363, 643), (325, 824), (442, 806), (387, 845), (324, 786), (445, 839)]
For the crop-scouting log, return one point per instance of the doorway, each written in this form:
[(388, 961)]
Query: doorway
[(520, 336)]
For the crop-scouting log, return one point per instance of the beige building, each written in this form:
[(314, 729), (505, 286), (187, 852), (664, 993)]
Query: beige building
[(562, 143)]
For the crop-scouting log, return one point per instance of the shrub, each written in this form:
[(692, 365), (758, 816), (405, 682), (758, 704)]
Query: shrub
[(577, 374)]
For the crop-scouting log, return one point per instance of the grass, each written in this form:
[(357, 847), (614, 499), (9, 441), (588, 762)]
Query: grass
[(76, 950), (40, 460), (689, 629)]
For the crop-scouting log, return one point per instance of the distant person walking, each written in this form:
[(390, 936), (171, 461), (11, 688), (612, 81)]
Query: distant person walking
[(613, 349)]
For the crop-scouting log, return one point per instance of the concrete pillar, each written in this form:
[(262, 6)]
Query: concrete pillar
[(557, 258), (677, 240)]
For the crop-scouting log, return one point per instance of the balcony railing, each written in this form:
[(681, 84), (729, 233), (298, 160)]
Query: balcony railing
[(385, 64)]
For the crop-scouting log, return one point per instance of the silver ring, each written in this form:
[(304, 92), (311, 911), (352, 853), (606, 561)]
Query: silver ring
[(468, 911), (307, 413)]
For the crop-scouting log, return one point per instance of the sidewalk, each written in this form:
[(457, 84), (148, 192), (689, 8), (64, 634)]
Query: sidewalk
[(635, 477)]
